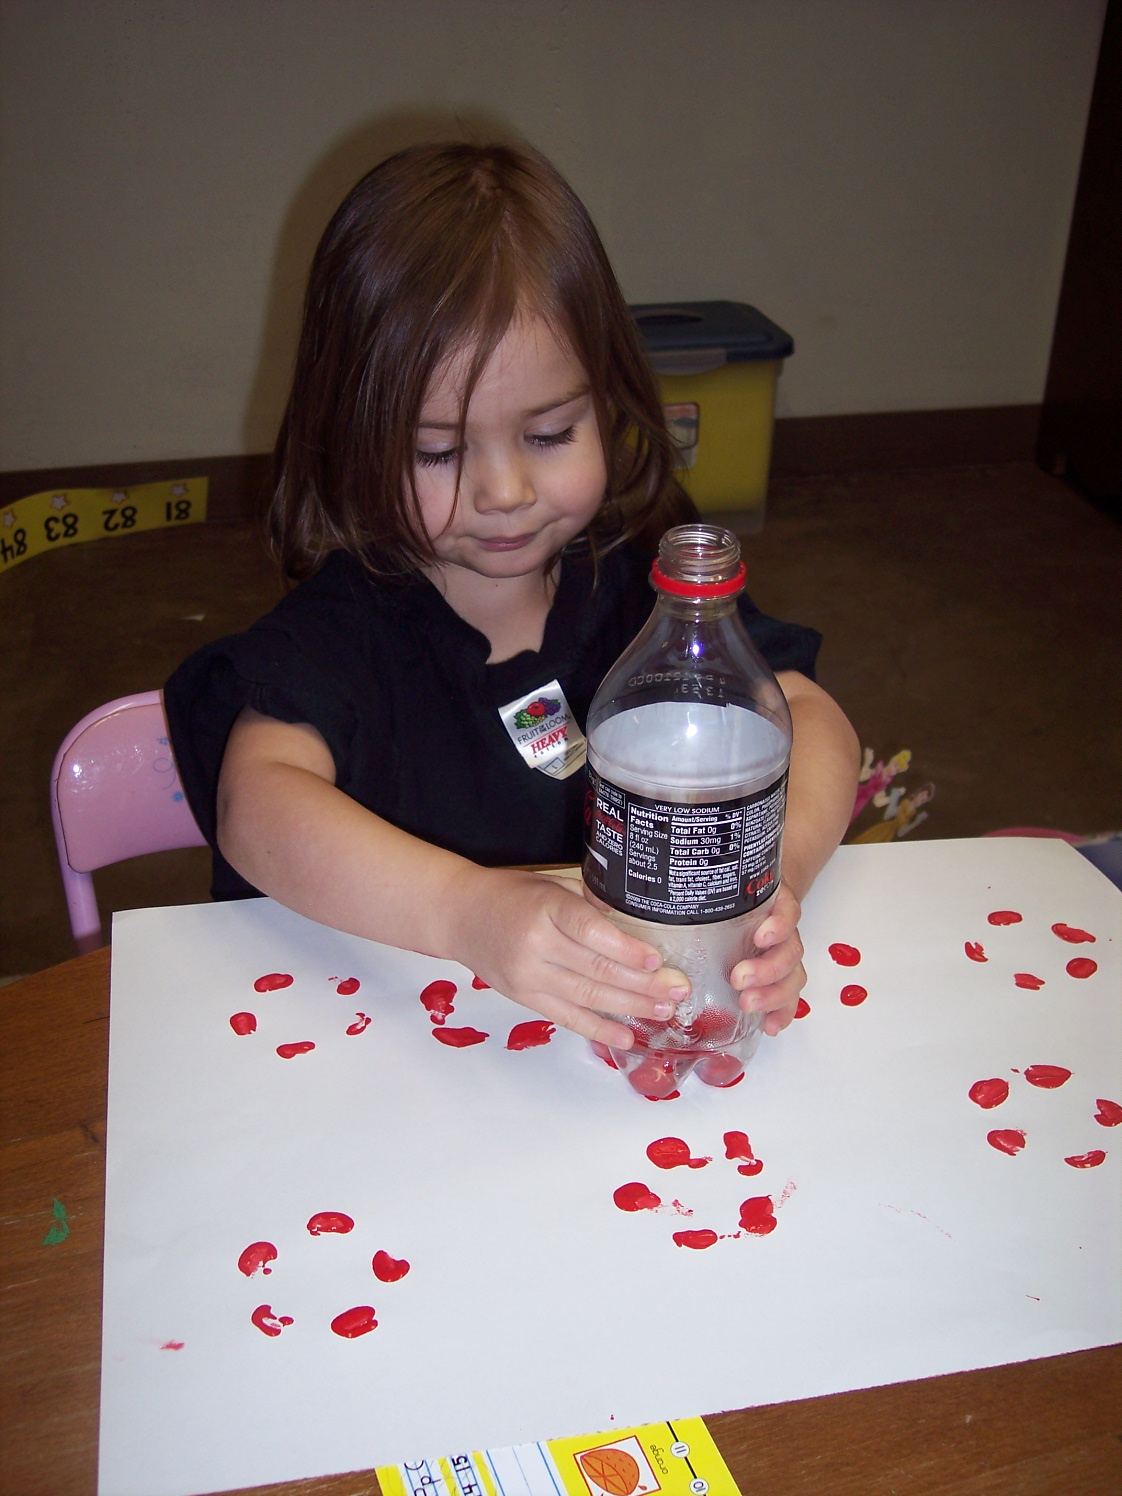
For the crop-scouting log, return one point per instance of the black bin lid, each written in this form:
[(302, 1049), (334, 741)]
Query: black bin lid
[(742, 331)]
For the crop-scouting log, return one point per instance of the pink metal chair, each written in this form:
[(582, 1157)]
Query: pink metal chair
[(115, 793)]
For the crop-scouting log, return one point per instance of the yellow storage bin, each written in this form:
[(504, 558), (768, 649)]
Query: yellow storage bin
[(717, 364)]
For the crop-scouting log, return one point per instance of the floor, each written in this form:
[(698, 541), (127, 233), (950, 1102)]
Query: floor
[(971, 615)]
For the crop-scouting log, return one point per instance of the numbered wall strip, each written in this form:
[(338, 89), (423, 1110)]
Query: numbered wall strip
[(44, 521)]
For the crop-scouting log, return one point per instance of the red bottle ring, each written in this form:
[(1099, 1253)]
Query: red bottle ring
[(697, 589)]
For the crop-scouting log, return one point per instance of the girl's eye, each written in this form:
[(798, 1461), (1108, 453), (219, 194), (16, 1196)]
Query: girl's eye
[(556, 439), (436, 459)]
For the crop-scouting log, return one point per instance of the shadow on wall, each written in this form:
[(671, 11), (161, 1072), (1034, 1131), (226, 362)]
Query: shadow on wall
[(316, 199)]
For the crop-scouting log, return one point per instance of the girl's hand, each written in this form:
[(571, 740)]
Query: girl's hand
[(543, 945), (770, 983)]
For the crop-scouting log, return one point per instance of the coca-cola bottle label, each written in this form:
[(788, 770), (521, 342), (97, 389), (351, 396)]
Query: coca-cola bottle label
[(682, 863)]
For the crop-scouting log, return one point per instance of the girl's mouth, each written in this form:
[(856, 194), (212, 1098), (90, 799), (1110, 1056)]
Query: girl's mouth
[(507, 543)]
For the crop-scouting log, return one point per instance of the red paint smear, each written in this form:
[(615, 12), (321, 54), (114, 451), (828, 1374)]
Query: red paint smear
[(802, 1008), (480, 985), (755, 1167), (355, 1322), (289, 1051), (738, 1146), (1047, 1077), (1004, 917), (1081, 966), (173, 1345), (1109, 1113), (1086, 1160), (722, 1085), (989, 1093), (349, 987), (845, 955), (602, 1052), (1027, 980), (721, 1070), (636, 1197), (243, 1023), (757, 1216), (268, 1322), (673, 1153), (673, 1096), (330, 1221), (389, 1269), (360, 1025), (273, 982), (1006, 1140), (852, 996), (255, 1256), (530, 1035), (1072, 935), (975, 951), (438, 998), (697, 1240), (459, 1038)]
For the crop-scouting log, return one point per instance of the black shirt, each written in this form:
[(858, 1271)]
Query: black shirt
[(400, 688)]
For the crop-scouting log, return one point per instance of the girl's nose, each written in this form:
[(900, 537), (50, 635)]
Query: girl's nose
[(500, 484)]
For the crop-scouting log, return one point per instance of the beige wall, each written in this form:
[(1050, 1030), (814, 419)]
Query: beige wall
[(891, 180)]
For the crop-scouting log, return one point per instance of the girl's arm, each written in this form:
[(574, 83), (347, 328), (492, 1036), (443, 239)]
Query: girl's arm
[(825, 757), (285, 827)]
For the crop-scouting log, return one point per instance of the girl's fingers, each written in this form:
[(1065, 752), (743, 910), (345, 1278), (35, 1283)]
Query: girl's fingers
[(762, 972)]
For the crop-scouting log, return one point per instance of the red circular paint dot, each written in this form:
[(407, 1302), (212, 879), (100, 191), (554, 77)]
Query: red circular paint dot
[(673, 1153), (757, 1216), (853, 996), (1006, 1140), (459, 1038), (1026, 980), (1109, 1113), (529, 1035), (720, 1069), (1004, 917), (273, 981), (330, 1221), (244, 1023), (290, 1051), (1072, 935), (697, 1240), (636, 1196), (349, 987), (1081, 966), (1047, 1077), (355, 1322), (975, 951), (989, 1093), (256, 1257), (802, 1008), (437, 998), (389, 1269), (1086, 1160), (845, 955)]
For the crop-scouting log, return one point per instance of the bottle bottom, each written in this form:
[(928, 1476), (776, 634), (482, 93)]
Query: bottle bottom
[(659, 1074)]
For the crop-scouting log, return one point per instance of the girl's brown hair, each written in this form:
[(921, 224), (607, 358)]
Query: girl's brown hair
[(434, 251)]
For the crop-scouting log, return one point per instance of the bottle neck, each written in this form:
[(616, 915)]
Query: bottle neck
[(695, 609)]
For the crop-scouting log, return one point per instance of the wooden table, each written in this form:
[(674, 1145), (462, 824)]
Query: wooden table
[(1041, 1428)]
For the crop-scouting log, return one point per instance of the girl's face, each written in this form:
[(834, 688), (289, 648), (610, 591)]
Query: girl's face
[(533, 471)]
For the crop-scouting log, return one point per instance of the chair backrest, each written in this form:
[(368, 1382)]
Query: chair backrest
[(115, 793)]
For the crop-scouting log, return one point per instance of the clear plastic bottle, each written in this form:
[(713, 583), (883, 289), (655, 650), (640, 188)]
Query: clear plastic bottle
[(689, 739)]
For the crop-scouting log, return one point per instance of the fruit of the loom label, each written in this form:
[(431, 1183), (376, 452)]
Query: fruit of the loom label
[(613, 1470)]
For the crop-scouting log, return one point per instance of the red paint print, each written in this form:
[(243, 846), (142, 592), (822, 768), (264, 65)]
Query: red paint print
[(1047, 1077), (243, 1023), (697, 1240), (480, 985), (268, 1322), (852, 996), (671, 1096), (1081, 966), (355, 1322), (389, 1269), (738, 1146), (173, 1345), (349, 987), (1109, 1113), (1006, 1140), (1086, 1160), (989, 1093), (673, 1153), (256, 1256), (757, 1215), (459, 1038), (529, 1035), (802, 1008), (636, 1197), (1004, 917), (975, 951), (333, 1221), (602, 1052), (272, 982), (1072, 935), (290, 1051), (360, 1025), (1026, 980), (437, 999), (845, 955)]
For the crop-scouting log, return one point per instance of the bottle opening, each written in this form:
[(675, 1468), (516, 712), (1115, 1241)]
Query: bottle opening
[(699, 561)]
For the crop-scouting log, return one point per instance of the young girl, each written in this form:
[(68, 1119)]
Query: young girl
[(471, 478)]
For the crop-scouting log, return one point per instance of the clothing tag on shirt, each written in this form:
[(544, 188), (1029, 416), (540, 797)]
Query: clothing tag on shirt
[(544, 731)]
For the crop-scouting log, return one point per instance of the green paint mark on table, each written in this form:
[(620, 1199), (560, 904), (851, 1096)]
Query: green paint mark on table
[(60, 1226)]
